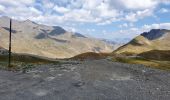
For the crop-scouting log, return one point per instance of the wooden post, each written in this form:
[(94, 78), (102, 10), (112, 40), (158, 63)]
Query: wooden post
[(9, 60)]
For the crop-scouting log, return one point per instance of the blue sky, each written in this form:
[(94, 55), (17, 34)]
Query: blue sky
[(110, 19)]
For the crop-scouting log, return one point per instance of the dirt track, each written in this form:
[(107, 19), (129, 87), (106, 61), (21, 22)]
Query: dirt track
[(89, 80)]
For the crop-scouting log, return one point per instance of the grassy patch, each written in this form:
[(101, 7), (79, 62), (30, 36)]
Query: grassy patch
[(160, 55), (154, 58), (165, 65), (91, 55)]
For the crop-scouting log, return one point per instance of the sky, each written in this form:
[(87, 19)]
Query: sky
[(109, 19)]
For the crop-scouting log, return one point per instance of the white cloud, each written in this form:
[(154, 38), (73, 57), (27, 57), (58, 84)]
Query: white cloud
[(125, 25), (71, 29), (167, 2), (91, 4), (61, 9), (16, 2), (163, 10), (2, 8), (156, 26), (134, 4), (19, 9), (48, 20), (105, 22), (139, 4), (22, 12), (133, 17), (48, 5), (105, 12), (35, 11), (100, 12)]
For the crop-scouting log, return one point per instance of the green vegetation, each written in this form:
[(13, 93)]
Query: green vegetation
[(161, 55), (91, 55), (165, 65)]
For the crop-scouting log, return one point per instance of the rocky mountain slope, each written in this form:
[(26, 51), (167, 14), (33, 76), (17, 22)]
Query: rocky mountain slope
[(156, 39), (49, 41)]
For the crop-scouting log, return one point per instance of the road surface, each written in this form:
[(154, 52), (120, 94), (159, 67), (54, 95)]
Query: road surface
[(87, 80)]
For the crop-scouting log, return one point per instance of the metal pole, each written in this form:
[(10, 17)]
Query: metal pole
[(9, 60)]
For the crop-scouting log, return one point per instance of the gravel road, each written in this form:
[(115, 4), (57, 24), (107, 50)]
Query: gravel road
[(87, 80)]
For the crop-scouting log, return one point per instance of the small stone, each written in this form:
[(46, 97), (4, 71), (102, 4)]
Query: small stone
[(79, 84)]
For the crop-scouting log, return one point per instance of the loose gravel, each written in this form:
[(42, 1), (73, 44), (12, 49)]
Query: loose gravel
[(86, 80)]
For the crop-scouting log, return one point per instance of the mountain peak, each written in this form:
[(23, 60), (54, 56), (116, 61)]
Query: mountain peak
[(154, 34), (158, 30), (78, 35), (29, 21)]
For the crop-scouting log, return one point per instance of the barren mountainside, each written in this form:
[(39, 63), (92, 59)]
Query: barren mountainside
[(156, 39), (49, 41)]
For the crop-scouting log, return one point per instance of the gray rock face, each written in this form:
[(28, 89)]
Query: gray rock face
[(154, 34)]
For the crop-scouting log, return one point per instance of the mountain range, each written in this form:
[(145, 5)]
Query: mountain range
[(48, 41)]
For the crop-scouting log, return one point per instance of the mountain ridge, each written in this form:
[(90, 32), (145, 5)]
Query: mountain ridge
[(155, 39), (49, 41)]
